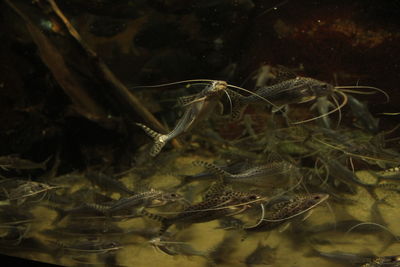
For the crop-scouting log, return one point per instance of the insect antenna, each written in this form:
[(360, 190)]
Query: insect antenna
[(345, 98)]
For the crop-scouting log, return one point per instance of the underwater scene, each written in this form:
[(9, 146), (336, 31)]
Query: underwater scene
[(200, 133)]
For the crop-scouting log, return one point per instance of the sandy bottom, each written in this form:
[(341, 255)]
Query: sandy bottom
[(292, 246)]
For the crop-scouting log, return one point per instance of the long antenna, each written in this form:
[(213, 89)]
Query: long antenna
[(340, 110), (364, 87), (248, 91), (205, 81), (376, 224), (328, 113)]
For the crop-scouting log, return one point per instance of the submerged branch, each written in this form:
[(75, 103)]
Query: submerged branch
[(79, 78)]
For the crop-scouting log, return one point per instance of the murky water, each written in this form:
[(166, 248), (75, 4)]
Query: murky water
[(291, 245), (286, 154)]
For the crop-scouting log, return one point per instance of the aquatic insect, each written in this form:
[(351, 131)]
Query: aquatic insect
[(227, 203), (287, 210)]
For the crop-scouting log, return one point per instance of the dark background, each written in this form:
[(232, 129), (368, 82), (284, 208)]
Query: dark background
[(151, 42), (155, 41)]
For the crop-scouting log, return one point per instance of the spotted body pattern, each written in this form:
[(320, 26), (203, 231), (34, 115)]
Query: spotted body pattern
[(389, 261), (28, 189), (97, 247), (228, 203), (198, 108), (392, 173), (362, 260), (289, 209), (291, 91), (256, 175), (149, 198), (297, 90)]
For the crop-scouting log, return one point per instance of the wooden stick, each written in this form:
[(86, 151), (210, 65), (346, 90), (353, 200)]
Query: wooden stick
[(112, 80), (56, 64)]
